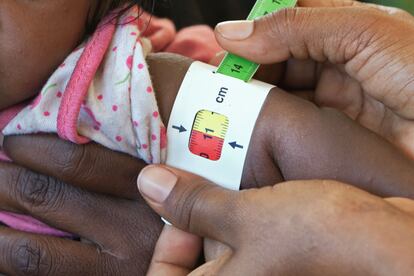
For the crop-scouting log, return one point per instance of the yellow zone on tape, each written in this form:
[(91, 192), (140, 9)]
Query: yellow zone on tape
[(211, 123)]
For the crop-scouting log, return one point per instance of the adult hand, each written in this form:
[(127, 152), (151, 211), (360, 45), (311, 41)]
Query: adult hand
[(312, 228), (356, 57), (118, 235)]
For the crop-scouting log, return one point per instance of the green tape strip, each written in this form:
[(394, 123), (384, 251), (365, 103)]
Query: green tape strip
[(241, 68)]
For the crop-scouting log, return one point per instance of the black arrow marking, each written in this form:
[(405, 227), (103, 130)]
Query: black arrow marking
[(234, 145), (180, 128)]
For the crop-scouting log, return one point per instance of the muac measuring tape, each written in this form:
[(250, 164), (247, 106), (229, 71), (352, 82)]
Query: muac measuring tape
[(238, 67), (215, 113)]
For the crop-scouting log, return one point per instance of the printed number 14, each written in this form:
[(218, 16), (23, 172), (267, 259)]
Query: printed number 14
[(238, 68)]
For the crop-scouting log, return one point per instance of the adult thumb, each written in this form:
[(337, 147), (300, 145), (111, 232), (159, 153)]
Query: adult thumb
[(319, 33), (190, 202)]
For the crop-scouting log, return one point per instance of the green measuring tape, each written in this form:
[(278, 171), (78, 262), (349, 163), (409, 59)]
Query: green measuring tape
[(238, 67)]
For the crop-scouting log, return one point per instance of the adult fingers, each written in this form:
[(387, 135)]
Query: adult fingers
[(191, 203), (215, 267), (317, 33), (89, 215), (300, 75), (317, 29), (87, 166), (176, 253), (404, 204), (28, 254), (368, 41)]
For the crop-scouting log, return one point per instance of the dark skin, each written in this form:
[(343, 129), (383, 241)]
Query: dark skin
[(127, 249), (36, 34), (331, 139), (314, 227), (40, 35), (362, 67), (294, 139)]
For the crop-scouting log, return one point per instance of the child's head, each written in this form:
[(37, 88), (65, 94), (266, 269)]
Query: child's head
[(36, 36)]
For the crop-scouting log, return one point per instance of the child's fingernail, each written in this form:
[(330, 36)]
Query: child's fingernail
[(221, 54), (156, 183), (236, 30)]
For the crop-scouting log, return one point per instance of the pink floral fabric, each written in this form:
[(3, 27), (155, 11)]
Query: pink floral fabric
[(119, 109), (103, 92)]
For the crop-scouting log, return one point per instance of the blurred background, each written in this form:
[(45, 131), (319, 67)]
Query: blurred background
[(408, 5), (211, 12)]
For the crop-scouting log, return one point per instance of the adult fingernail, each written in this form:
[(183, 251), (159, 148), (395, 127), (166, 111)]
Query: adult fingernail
[(236, 30), (156, 183)]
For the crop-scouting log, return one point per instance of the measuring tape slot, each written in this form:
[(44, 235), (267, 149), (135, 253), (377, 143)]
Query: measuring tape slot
[(212, 122)]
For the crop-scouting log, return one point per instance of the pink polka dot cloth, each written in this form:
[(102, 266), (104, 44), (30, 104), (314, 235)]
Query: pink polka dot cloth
[(103, 92)]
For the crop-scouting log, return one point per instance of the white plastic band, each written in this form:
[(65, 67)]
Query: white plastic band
[(211, 124)]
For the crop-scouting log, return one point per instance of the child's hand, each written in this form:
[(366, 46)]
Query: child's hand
[(197, 42), (160, 31)]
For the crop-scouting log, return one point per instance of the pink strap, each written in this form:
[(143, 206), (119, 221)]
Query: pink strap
[(28, 224), (69, 111), (80, 81), (8, 114)]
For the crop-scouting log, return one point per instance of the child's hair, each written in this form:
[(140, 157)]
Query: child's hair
[(103, 7)]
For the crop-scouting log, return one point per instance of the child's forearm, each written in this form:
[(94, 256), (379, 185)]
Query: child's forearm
[(168, 72), (319, 143), (294, 139)]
